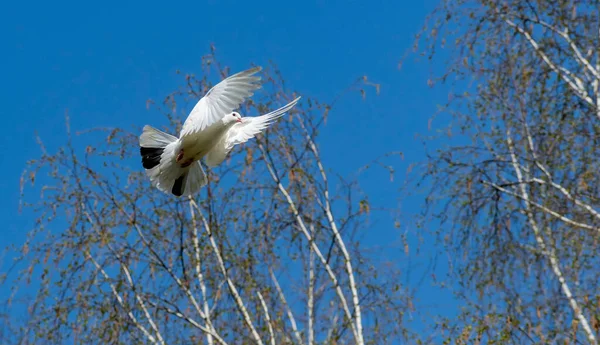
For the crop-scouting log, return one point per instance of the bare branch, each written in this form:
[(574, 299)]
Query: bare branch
[(312, 243), (200, 276), (311, 294), (267, 317), (544, 248), (541, 207), (129, 280), (238, 300), (288, 311), (189, 320), (337, 236), (565, 76), (132, 318), (564, 33)]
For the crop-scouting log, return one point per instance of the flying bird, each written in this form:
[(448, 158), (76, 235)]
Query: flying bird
[(211, 131)]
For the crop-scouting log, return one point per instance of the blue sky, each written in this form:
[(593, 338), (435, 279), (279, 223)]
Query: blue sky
[(102, 61)]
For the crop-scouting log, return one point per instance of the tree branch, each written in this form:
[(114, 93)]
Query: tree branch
[(576, 87), (200, 276), (267, 317), (310, 240), (286, 307), (544, 248), (120, 300), (236, 296)]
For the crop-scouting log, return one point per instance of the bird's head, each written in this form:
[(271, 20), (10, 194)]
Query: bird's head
[(232, 118)]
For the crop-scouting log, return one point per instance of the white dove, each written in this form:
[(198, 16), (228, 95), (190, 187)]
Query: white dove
[(211, 130)]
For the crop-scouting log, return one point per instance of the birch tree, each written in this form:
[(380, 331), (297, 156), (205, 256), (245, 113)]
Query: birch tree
[(268, 253), (516, 180)]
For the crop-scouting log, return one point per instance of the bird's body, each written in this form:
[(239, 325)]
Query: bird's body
[(210, 132), (197, 145)]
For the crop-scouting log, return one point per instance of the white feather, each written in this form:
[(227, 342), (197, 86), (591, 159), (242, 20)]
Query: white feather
[(152, 137), (167, 171), (207, 132), (221, 100), (242, 132)]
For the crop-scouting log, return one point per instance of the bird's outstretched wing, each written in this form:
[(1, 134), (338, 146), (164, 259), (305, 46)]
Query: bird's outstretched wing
[(221, 100), (242, 132)]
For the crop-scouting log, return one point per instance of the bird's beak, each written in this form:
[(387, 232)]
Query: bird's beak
[(239, 120)]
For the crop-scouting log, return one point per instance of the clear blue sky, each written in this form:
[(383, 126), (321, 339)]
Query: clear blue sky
[(103, 60)]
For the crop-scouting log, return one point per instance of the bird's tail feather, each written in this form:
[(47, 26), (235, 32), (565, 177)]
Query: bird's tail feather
[(159, 151)]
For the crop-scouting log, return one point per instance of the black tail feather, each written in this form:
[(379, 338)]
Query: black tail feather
[(151, 156), (179, 185)]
